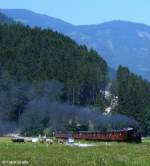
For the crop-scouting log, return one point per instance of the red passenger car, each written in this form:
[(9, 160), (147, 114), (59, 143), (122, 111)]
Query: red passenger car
[(125, 135)]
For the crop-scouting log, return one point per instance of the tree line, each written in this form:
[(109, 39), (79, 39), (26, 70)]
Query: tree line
[(134, 97)]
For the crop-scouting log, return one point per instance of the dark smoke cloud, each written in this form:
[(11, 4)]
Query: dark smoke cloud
[(24, 107), (57, 115)]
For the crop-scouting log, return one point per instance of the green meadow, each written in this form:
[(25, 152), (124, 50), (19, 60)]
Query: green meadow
[(113, 154)]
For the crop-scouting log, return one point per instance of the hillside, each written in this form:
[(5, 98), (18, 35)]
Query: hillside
[(119, 42), (35, 55), (43, 74)]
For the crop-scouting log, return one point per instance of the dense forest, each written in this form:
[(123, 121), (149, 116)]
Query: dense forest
[(34, 55), (48, 82), (134, 97)]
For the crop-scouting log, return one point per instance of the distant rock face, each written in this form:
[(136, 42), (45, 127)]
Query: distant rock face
[(118, 42)]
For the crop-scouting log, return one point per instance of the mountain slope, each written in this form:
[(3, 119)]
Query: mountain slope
[(119, 42), (33, 19), (4, 19)]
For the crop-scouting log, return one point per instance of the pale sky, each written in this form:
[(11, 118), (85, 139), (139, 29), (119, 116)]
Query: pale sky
[(81, 12)]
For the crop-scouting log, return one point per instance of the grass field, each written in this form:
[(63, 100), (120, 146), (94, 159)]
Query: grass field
[(116, 154)]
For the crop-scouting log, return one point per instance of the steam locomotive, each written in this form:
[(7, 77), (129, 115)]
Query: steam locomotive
[(124, 135)]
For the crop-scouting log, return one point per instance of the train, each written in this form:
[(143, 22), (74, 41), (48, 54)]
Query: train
[(124, 135)]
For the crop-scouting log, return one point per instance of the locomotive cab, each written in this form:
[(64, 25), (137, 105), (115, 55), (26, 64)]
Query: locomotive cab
[(134, 135)]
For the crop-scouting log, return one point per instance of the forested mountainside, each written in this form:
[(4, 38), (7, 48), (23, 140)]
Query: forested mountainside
[(119, 42), (34, 55), (44, 74), (38, 69)]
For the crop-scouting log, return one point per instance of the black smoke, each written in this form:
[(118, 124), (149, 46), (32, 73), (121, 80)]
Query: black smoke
[(32, 109)]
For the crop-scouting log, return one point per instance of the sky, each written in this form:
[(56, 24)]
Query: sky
[(83, 12)]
